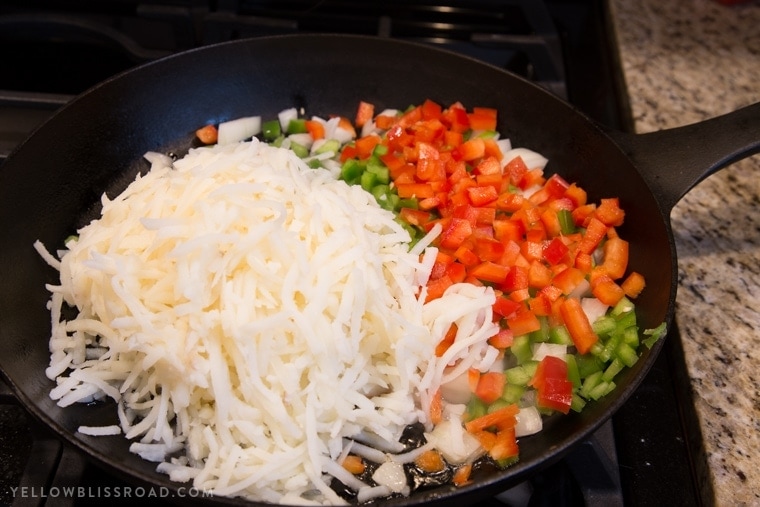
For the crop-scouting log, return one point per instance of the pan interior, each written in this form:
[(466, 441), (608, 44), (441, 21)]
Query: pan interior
[(53, 182)]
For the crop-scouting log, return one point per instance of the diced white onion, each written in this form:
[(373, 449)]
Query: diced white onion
[(455, 444), (156, 158), (391, 474), (581, 290), (234, 131), (457, 390), (529, 421), (285, 116), (541, 350), (593, 308), (388, 112), (303, 139), (369, 128), (505, 145)]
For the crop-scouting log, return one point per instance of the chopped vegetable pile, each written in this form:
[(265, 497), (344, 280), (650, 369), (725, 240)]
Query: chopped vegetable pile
[(564, 306)]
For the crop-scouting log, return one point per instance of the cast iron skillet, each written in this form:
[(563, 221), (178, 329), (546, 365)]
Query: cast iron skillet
[(51, 184)]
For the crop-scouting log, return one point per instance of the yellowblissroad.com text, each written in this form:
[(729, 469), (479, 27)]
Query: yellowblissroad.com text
[(126, 492)]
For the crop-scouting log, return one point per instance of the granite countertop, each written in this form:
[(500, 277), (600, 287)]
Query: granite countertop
[(684, 62)]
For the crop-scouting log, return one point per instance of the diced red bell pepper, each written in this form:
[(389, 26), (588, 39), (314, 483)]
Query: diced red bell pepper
[(469, 150), (349, 151), (465, 212), (430, 169), (516, 169), (384, 122), (539, 275), (540, 304), (365, 145), (532, 250), (548, 367), (517, 278), (576, 194), (556, 185), (485, 216), (596, 230), (503, 339), (490, 386), (466, 256), (555, 391), (208, 134), (550, 221), (315, 128), (551, 292), (555, 251), (505, 446), (452, 139), (447, 340), (488, 249), (397, 138), (493, 150), (633, 284), (523, 323), (411, 117), (508, 230), (489, 272), (500, 419), (506, 307), (418, 190), (494, 180), (532, 178), (429, 131), (577, 324), (436, 288), (364, 113), (480, 196), (454, 234), (431, 110), (557, 394), (457, 272), (488, 165), (510, 202), (615, 260), (456, 118), (609, 212), (415, 216), (606, 290), (568, 279), (482, 119)]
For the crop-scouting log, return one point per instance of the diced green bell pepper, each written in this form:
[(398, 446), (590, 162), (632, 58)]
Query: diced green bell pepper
[(521, 348), (296, 126), (332, 145), (271, 130), (300, 150), (566, 222)]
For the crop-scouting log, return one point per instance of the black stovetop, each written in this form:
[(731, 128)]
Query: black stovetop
[(640, 457)]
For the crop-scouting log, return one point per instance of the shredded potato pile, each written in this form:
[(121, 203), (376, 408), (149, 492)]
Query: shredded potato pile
[(252, 317)]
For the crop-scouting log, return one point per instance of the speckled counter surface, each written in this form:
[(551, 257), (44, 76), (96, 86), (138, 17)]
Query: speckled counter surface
[(683, 62)]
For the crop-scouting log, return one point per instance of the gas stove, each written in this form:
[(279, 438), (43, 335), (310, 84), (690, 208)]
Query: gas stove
[(52, 53)]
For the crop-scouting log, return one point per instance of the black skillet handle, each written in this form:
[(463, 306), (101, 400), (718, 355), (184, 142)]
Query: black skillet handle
[(673, 161)]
